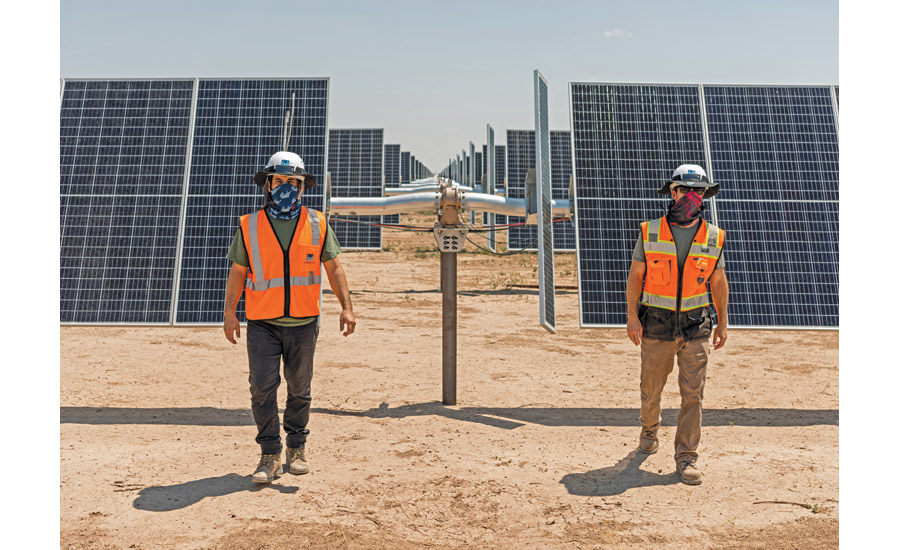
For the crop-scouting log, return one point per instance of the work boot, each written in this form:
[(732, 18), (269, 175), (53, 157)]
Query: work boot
[(269, 468), (295, 460), (648, 442), (690, 475)]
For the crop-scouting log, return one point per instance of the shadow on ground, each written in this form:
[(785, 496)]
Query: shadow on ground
[(165, 498), (615, 480), (498, 417)]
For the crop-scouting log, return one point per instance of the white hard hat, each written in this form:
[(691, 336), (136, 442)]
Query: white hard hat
[(690, 175), (285, 162)]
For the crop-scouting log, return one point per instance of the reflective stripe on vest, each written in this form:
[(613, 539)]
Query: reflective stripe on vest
[(265, 296), (661, 278)]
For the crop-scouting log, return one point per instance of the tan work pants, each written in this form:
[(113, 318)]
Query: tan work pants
[(657, 360)]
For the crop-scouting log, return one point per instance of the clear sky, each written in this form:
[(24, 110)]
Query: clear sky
[(432, 74)]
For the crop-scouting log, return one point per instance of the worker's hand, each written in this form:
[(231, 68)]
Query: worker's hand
[(349, 321), (635, 330), (232, 328), (719, 336)]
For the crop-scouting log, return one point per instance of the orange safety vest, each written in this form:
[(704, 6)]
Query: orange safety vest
[(662, 277), (265, 296)]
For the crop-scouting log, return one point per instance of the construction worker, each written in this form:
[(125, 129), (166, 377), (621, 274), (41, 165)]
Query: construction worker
[(283, 247), (669, 315)]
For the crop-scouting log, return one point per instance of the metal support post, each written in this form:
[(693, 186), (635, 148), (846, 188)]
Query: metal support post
[(448, 340)]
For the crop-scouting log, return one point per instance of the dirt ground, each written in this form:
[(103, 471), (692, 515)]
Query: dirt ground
[(157, 441)]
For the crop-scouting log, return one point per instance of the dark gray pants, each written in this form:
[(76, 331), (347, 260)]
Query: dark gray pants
[(267, 345)]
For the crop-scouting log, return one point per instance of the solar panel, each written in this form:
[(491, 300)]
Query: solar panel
[(560, 169), (627, 140), (239, 125), (479, 169), (123, 145), (544, 203), (404, 167), (392, 164), (470, 166), (500, 178), (391, 175), (355, 163), (519, 160), (775, 151)]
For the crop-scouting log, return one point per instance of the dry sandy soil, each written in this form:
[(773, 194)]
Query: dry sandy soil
[(157, 441)]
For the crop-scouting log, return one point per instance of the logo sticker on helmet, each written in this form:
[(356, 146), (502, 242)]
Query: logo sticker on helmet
[(285, 161)]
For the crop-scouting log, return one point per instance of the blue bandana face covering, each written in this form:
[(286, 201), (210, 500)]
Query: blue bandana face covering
[(285, 205)]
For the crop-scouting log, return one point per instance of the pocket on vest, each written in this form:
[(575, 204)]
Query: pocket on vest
[(659, 272)]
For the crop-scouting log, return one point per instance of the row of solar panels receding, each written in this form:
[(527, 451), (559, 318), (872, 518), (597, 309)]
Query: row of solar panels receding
[(773, 149), (149, 168)]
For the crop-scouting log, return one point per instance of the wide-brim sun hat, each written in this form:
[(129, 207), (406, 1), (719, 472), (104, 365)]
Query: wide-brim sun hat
[(287, 163), (690, 175)]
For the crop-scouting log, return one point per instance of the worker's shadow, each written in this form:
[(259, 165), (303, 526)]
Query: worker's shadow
[(615, 480), (166, 498)]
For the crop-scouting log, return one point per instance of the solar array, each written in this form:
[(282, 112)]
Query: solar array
[(774, 150), (153, 177), (356, 167), (520, 144)]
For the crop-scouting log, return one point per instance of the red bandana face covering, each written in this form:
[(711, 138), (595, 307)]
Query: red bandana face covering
[(686, 209)]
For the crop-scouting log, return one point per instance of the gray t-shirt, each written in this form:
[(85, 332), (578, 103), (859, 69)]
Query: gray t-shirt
[(683, 236)]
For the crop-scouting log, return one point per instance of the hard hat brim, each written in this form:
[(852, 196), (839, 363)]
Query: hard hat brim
[(309, 180)]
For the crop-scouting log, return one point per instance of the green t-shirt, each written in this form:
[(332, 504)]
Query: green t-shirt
[(284, 230), (683, 237)]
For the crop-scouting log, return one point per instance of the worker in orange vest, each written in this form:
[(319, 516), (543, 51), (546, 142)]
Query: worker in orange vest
[(669, 312), (277, 256)]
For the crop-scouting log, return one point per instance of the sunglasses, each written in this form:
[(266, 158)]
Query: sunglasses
[(686, 189)]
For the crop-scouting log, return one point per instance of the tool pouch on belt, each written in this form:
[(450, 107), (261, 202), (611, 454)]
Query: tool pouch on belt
[(696, 323), (659, 323)]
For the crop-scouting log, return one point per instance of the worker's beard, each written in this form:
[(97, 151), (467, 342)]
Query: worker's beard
[(686, 209)]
